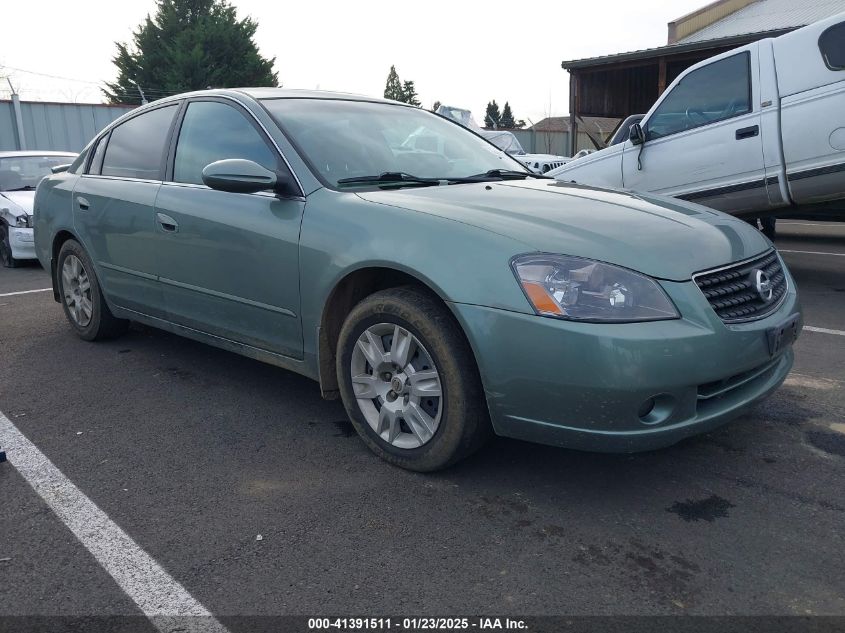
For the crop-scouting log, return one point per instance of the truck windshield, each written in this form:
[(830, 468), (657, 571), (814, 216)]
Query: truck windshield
[(344, 140)]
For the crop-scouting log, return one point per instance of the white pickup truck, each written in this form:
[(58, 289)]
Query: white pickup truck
[(750, 132)]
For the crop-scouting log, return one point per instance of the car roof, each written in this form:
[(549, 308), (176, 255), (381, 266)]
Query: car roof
[(276, 93), (28, 152)]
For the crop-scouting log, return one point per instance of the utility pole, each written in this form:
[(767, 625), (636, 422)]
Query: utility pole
[(16, 106), (141, 92)]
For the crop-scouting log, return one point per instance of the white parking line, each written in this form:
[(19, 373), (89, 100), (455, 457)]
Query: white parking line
[(829, 224), (783, 250), (24, 292), (157, 594), (824, 330)]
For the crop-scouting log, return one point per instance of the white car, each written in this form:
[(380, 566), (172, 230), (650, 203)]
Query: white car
[(20, 173), (506, 141)]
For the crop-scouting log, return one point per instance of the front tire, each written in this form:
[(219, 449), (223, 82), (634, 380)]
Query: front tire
[(82, 299), (6, 248), (409, 381)]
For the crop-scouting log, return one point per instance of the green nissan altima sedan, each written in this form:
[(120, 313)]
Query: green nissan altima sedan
[(417, 272)]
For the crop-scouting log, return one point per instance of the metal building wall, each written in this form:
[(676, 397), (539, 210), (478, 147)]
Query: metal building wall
[(54, 126)]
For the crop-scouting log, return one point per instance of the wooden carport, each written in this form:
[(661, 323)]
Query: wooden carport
[(616, 86)]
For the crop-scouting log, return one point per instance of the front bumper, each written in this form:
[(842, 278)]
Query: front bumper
[(588, 385), (22, 242)]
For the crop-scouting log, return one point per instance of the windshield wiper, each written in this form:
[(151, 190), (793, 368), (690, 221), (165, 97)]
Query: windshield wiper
[(504, 174), (391, 178), (26, 188)]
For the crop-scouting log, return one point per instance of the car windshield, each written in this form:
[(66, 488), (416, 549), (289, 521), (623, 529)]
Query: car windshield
[(357, 139), (504, 140), (25, 172)]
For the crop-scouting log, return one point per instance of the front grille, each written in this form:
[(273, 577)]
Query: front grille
[(733, 292)]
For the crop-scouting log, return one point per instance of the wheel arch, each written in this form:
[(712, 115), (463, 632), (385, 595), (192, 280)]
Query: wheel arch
[(349, 290), (61, 236)]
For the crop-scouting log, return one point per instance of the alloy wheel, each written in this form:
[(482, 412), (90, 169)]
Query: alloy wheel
[(396, 385), (76, 287)]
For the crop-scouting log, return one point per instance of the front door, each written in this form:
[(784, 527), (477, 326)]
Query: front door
[(228, 263), (704, 139)]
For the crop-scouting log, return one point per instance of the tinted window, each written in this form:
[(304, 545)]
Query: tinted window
[(136, 148), (97, 158), (715, 92), (832, 46), (213, 131)]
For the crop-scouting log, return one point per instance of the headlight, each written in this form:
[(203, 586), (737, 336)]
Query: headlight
[(585, 290), (23, 222)]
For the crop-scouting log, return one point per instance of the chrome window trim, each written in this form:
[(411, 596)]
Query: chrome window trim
[(175, 101)]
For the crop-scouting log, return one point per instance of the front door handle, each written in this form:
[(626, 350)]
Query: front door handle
[(82, 202), (167, 223), (747, 132)]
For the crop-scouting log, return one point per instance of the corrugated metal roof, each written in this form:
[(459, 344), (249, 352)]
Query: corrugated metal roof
[(768, 15)]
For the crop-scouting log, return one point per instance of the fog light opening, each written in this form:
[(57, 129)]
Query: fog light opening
[(645, 408), (656, 409)]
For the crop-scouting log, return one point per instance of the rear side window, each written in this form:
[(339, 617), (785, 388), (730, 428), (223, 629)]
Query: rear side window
[(136, 148), (213, 131), (97, 157), (832, 46), (718, 91)]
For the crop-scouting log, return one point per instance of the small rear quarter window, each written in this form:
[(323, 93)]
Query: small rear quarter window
[(832, 46)]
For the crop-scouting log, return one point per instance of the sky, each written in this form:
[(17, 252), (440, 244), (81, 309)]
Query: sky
[(463, 53)]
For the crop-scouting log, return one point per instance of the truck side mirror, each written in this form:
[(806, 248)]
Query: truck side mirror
[(637, 135)]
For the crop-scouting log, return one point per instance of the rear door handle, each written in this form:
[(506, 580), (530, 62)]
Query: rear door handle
[(82, 202), (747, 132), (167, 223)]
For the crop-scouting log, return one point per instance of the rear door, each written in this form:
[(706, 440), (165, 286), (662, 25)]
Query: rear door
[(113, 208), (228, 263), (704, 138)]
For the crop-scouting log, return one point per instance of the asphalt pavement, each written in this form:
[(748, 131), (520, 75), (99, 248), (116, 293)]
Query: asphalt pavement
[(255, 495)]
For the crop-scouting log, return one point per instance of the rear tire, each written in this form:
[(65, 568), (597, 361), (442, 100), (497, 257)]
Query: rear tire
[(416, 399), (82, 299), (6, 248)]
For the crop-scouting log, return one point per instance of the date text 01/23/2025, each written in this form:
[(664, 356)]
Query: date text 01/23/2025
[(415, 624)]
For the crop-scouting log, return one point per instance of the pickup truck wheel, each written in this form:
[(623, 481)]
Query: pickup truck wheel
[(409, 381), (6, 248), (82, 298)]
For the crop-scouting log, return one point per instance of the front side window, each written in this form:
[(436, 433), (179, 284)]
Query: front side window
[(213, 131), (136, 148), (356, 139), (718, 91), (832, 46)]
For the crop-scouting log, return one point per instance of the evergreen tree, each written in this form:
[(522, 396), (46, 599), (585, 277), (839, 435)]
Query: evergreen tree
[(393, 87), (409, 94), (492, 118), (189, 45), (436, 105), (507, 120)]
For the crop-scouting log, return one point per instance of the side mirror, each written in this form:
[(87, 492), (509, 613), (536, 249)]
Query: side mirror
[(238, 175), (637, 135)]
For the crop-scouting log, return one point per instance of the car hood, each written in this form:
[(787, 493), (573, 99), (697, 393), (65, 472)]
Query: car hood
[(21, 201), (662, 237), (547, 157)]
